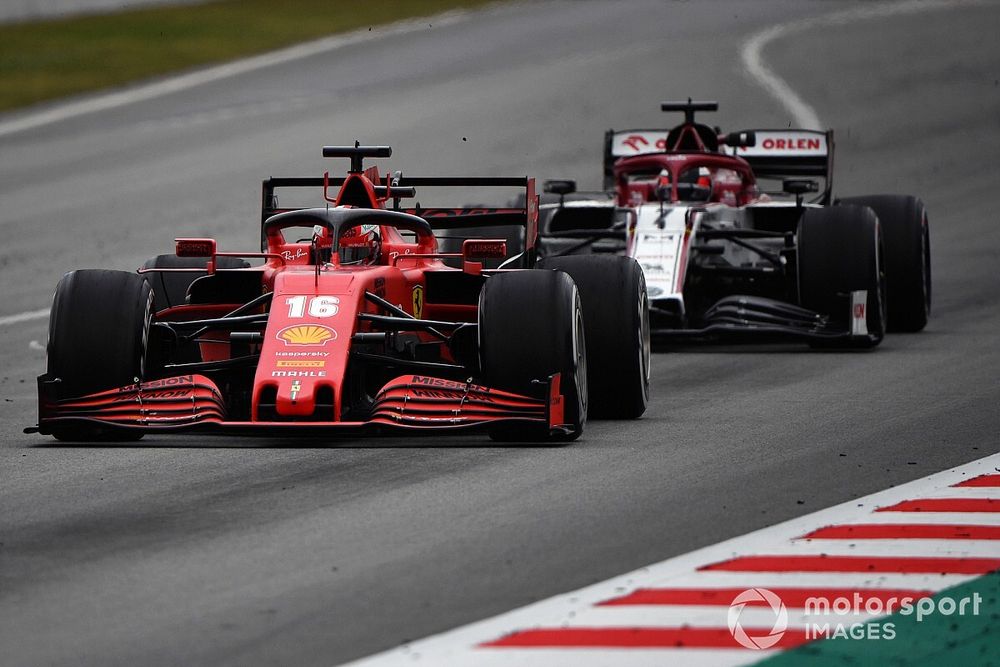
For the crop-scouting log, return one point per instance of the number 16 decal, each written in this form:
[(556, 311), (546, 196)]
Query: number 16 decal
[(319, 306)]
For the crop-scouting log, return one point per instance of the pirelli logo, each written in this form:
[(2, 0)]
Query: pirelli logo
[(300, 363)]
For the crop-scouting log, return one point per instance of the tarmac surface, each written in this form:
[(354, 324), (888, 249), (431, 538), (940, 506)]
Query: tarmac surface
[(221, 551)]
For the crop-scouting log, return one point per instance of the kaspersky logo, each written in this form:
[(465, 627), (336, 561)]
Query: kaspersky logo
[(306, 334), (758, 639)]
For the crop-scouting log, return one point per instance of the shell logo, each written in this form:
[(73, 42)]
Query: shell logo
[(306, 334)]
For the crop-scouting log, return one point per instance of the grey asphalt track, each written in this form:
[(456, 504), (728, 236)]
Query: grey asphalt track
[(235, 551)]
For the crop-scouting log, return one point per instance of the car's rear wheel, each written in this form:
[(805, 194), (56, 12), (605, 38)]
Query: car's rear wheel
[(98, 335), (839, 252), (907, 258), (531, 326), (616, 316)]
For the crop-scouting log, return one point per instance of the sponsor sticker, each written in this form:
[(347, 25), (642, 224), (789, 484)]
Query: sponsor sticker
[(300, 363), (793, 143), (859, 314), (448, 384), (451, 395), (165, 382), (298, 374), (301, 335), (291, 257), (169, 393), (638, 142)]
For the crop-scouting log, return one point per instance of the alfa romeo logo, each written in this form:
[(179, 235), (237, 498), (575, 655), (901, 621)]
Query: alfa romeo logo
[(759, 640)]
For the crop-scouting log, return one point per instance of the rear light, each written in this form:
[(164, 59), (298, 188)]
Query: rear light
[(484, 249), (195, 247)]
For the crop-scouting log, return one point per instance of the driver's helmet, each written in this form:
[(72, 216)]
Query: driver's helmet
[(695, 184), (663, 178), (360, 245), (697, 175)]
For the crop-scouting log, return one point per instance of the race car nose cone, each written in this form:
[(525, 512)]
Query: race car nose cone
[(296, 394)]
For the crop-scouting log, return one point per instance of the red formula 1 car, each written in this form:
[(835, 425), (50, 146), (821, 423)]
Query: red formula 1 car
[(351, 321)]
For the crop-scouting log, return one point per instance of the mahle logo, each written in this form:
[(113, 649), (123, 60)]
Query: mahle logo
[(756, 597)]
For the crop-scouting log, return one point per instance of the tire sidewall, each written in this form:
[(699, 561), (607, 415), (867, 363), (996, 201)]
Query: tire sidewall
[(906, 238), (616, 310), (531, 325), (841, 250)]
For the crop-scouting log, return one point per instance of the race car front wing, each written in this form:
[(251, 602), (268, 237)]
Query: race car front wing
[(752, 316), (193, 403)]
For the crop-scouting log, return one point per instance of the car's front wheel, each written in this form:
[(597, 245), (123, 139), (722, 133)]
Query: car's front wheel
[(840, 252), (98, 337), (907, 258), (531, 326)]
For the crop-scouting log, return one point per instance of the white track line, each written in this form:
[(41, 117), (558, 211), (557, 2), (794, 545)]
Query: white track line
[(934, 581), (803, 115), (638, 616), (930, 518), (698, 657), (39, 314), (211, 74)]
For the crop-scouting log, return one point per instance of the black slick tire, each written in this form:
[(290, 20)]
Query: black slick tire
[(531, 326), (906, 234), (98, 334), (616, 317), (840, 251)]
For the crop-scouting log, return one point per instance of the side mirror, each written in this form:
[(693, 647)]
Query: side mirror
[(799, 186), (396, 192), (194, 247), (740, 139), (481, 249), (484, 249), (560, 187)]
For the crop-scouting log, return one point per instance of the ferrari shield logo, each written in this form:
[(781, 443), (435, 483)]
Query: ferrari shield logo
[(418, 301)]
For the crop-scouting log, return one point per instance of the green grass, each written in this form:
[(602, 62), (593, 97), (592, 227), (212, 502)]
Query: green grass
[(44, 60)]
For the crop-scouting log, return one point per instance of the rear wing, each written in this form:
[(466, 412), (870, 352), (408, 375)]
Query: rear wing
[(525, 216), (780, 154), (777, 154), (625, 143)]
